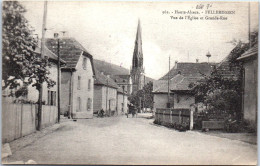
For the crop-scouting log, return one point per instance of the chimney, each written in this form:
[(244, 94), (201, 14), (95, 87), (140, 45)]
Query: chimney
[(108, 76), (63, 33), (197, 60), (176, 63), (102, 73)]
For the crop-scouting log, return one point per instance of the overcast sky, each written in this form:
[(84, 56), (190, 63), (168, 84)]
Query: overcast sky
[(108, 29)]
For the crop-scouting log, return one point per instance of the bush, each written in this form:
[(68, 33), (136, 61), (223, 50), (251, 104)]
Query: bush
[(234, 126), (157, 122)]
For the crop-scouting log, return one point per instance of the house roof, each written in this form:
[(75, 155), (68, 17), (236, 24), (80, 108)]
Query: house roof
[(70, 50), (177, 83), (121, 79), (189, 70), (49, 54), (183, 85), (253, 51), (102, 79)]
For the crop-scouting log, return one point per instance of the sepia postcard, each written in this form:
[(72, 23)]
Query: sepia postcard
[(129, 82)]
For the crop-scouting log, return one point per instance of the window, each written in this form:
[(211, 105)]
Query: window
[(79, 104), (51, 98), (89, 103), (84, 64), (89, 84), (79, 79)]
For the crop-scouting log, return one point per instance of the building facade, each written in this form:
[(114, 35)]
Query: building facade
[(77, 78), (105, 94), (181, 76), (125, 82), (121, 101), (250, 66)]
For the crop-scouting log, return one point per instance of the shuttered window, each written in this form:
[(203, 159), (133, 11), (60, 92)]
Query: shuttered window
[(89, 84), (51, 98), (84, 64), (79, 82)]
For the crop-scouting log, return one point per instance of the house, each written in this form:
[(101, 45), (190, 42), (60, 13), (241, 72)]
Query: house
[(105, 94), (250, 66), (20, 114), (77, 77), (124, 81), (181, 76)]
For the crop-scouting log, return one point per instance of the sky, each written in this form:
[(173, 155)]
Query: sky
[(108, 29)]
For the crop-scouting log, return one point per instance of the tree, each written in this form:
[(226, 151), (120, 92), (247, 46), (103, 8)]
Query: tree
[(221, 93), (22, 66), (144, 95)]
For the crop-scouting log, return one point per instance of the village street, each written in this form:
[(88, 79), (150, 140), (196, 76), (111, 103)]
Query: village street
[(121, 140)]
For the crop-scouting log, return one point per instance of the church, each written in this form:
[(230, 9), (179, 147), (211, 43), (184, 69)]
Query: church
[(136, 80), (137, 69)]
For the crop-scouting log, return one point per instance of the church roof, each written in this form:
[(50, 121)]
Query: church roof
[(138, 51)]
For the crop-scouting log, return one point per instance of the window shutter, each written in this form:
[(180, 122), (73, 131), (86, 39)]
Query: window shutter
[(49, 97), (54, 98)]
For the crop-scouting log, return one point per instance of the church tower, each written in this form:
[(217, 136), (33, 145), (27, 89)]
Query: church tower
[(137, 70)]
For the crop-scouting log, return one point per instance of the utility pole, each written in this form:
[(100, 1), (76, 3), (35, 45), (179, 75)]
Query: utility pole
[(168, 104), (144, 95), (106, 94), (249, 36), (42, 55), (56, 35)]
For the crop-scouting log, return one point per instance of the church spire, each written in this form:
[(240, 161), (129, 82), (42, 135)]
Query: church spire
[(137, 71), (138, 51)]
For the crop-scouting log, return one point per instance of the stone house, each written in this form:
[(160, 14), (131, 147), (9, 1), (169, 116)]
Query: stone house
[(181, 76), (105, 94), (77, 78), (250, 66)]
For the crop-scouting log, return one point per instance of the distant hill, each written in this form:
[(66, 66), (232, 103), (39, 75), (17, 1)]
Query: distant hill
[(112, 69), (109, 68)]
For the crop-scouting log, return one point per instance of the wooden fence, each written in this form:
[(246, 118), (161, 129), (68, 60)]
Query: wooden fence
[(173, 116), (19, 119)]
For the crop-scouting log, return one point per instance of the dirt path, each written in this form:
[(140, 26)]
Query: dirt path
[(121, 140)]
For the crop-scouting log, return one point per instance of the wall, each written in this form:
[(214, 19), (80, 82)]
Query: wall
[(161, 100), (125, 104), (111, 95), (33, 94), (183, 100), (173, 116), (120, 104), (250, 92), (122, 99), (19, 120), (65, 91), (98, 104), (84, 93)]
